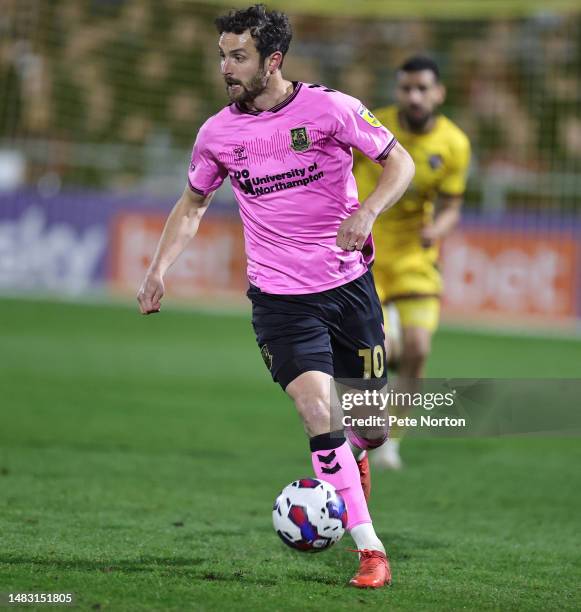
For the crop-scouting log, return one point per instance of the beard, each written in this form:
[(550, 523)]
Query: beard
[(247, 93), (416, 121)]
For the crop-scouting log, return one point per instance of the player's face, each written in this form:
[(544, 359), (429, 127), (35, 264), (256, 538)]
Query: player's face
[(241, 67), (418, 94)]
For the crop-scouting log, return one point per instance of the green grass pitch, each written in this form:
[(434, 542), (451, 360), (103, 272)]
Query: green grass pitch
[(139, 458)]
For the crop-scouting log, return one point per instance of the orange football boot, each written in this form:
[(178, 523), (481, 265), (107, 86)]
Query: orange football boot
[(374, 571), (365, 475)]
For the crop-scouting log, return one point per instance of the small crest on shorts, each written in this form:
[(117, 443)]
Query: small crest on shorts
[(435, 161), (266, 356), (300, 139)]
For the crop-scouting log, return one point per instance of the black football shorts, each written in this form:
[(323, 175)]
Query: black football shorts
[(338, 331)]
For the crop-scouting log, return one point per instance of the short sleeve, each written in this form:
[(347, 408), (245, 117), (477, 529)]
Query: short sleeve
[(205, 173), (454, 181), (357, 127)]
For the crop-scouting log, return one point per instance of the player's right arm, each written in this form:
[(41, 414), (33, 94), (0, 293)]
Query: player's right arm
[(205, 175), (181, 226)]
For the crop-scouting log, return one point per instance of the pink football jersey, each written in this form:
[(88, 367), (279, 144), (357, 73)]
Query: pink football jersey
[(291, 172)]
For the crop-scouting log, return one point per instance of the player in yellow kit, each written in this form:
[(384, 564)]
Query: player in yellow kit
[(406, 237)]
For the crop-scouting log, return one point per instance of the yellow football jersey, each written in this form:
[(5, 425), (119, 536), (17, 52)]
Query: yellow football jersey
[(441, 157)]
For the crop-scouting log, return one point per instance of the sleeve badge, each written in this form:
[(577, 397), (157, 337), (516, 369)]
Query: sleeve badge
[(369, 117)]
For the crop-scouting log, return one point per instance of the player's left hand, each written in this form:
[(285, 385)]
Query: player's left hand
[(354, 230)]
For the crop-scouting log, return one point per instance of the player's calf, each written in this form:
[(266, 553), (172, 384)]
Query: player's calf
[(334, 462)]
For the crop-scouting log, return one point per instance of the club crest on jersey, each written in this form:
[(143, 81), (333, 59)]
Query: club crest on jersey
[(300, 139), (369, 117), (435, 161)]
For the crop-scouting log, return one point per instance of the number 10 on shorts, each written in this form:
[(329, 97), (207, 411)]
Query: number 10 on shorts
[(372, 361)]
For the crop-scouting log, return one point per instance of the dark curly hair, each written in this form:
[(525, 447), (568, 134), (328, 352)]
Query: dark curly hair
[(417, 63), (270, 30)]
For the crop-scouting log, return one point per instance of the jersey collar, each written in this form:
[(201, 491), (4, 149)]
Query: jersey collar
[(296, 88)]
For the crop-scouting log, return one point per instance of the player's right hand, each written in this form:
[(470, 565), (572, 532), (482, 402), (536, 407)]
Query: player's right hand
[(150, 294)]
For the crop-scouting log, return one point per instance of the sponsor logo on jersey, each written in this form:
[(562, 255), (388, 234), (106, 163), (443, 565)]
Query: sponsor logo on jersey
[(271, 183), (300, 139), (240, 153), (369, 117)]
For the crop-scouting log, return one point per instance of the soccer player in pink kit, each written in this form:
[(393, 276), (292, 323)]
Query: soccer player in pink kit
[(287, 149)]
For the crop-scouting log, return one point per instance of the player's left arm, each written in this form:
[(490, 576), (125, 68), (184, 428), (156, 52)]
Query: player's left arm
[(451, 194), (447, 217), (398, 172)]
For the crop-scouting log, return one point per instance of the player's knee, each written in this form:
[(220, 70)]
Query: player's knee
[(314, 411), (415, 353), (393, 352)]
